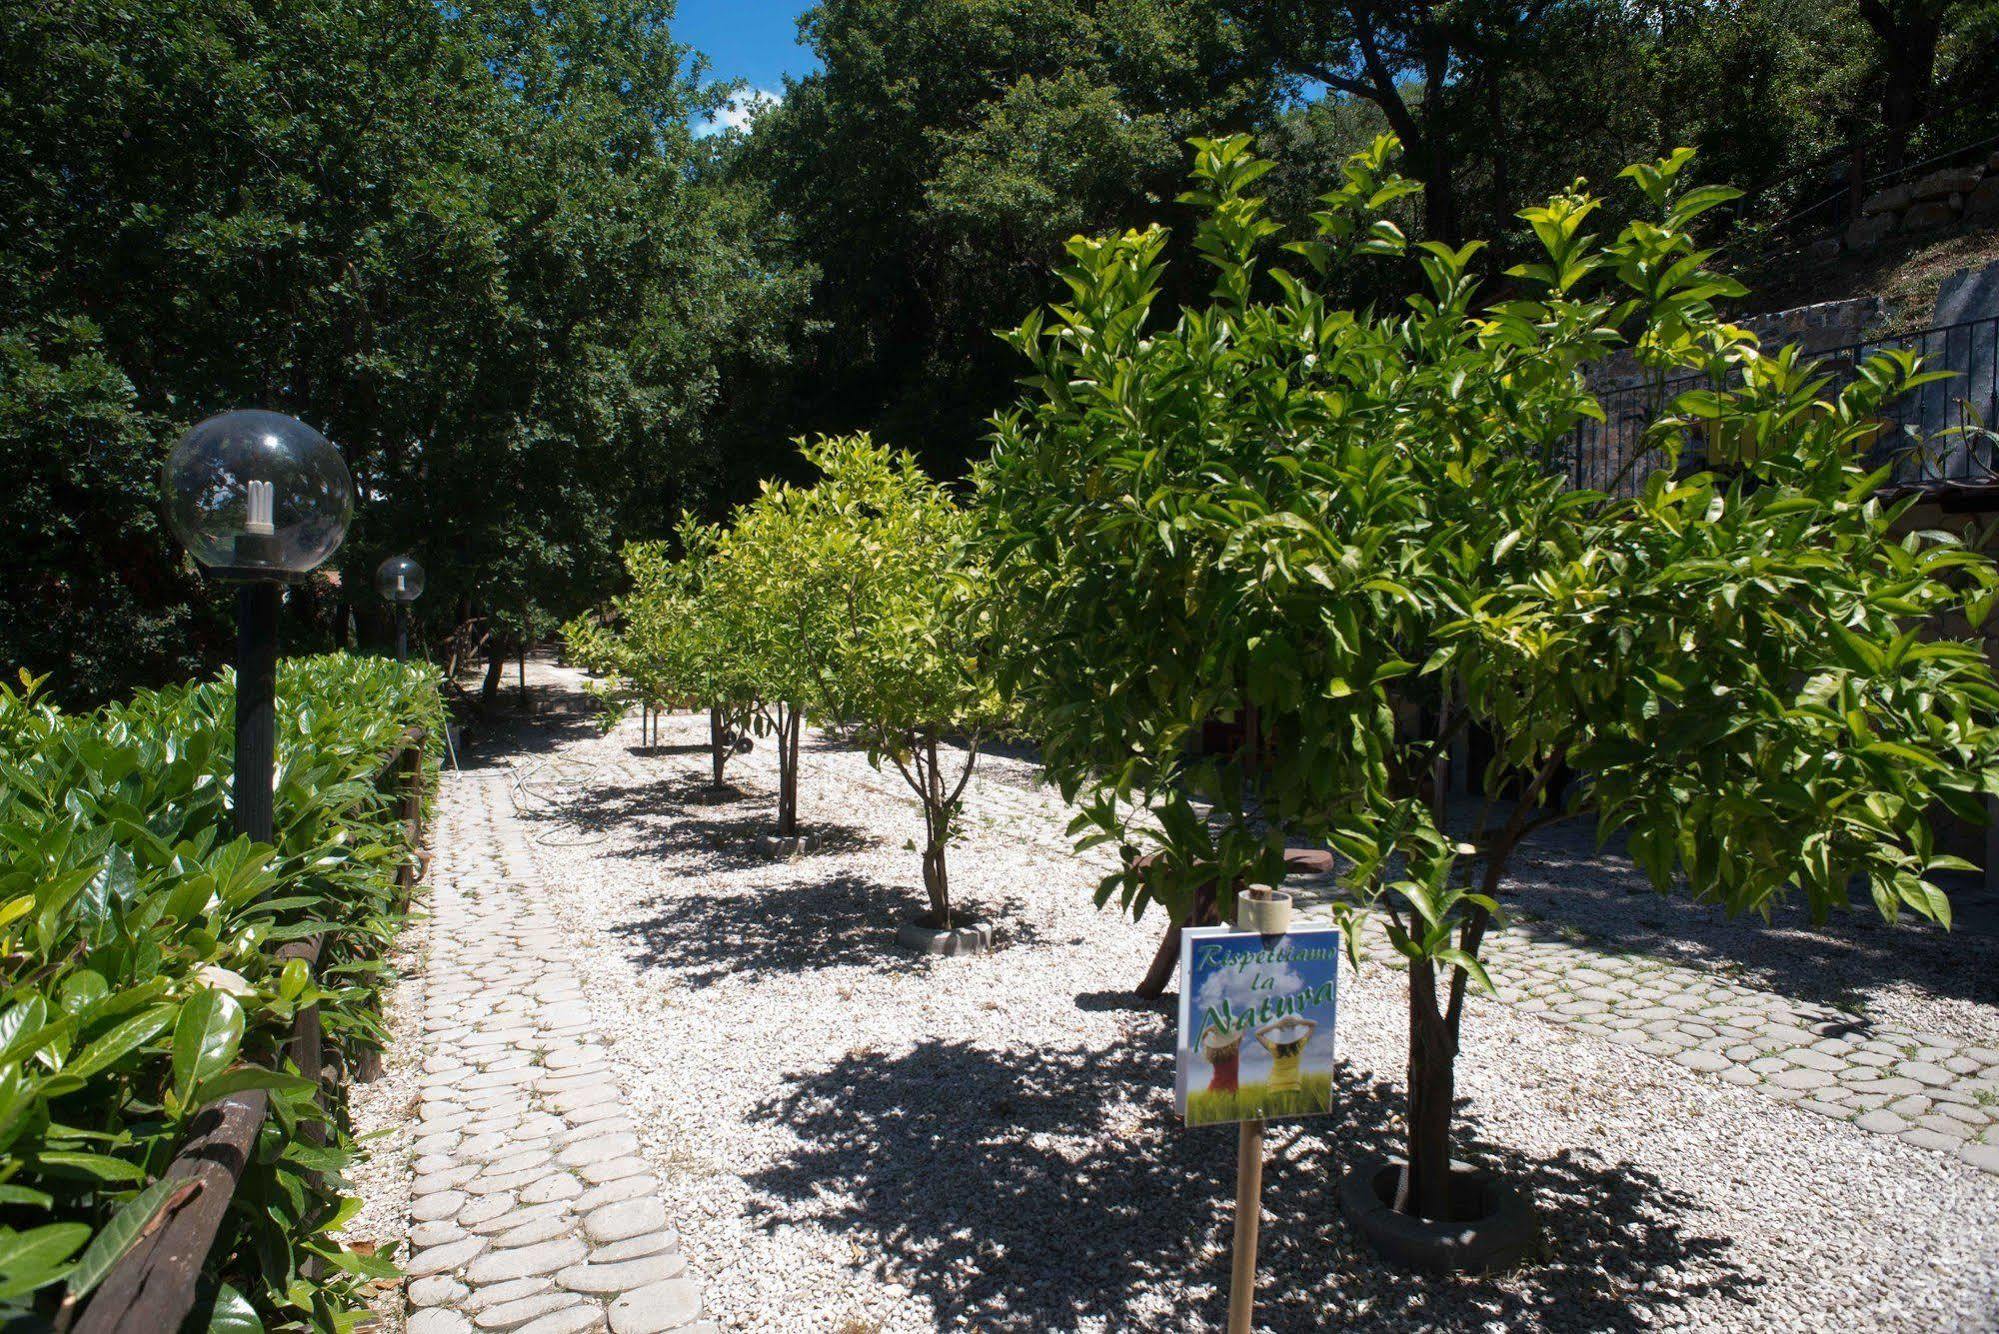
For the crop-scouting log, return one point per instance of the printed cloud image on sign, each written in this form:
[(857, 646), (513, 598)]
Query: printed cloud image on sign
[(1256, 1023)]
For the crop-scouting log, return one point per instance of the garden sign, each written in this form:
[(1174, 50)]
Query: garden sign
[(1256, 1041), (1256, 1023)]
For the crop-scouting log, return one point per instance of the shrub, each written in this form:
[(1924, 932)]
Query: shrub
[(139, 942)]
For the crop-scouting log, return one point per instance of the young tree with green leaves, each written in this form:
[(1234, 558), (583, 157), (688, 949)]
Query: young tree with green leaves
[(776, 593), (914, 671), (663, 643), (1354, 525)]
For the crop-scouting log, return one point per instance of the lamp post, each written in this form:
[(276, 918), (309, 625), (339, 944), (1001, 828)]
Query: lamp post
[(260, 500), (399, 580)]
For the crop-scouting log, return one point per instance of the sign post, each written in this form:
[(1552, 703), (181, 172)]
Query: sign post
[(1256, 1041), (1248, 1213)]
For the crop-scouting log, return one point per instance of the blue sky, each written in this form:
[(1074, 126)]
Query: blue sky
[(755, 40)]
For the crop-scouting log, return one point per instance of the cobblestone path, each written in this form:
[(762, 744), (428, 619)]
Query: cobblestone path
[(531, 1210), (1928, 1089)]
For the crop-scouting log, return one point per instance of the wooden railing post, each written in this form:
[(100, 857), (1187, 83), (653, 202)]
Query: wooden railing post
[(152, 1288)]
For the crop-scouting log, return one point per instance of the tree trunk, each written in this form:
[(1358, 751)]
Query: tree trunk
[(1909, 34), (1440, 193), (489, 689), (1426, 1191), (787, 771), (718, 748), (1202, 912), (936, 882), (936, 826)]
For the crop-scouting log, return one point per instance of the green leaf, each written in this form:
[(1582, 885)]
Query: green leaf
[(89, 1166), (226, 1311), (121, 1041), (115, 883), (122, 1233), (206, 1037), (1471, 966), (248, 1077), (33, 1259)]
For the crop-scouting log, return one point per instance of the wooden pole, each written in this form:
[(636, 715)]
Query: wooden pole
[(1248, 1212)]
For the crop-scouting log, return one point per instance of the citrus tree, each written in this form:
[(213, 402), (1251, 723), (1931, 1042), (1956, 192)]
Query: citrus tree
[(914, 673), (663, 644), (1353, 527), (776, 594)]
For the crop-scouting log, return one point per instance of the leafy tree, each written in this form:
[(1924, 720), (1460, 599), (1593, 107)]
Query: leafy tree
[(1401, 57), (915, 667), (935, 164), (1500, 105), (87, 582), (1908, 36), (1348, 522), (476, 244), (666, 645), (776, 593)]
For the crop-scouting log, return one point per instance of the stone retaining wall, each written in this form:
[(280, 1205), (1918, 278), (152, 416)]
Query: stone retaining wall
[(1936, 200)]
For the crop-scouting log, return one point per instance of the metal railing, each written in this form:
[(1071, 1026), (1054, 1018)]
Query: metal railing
[(1836, 185), (1937, 436)]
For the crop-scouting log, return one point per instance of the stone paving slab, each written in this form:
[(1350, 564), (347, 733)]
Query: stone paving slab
[(530, 1210), (1927, 1089)]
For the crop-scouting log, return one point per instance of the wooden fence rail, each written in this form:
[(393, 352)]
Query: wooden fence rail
[(153, 1286)]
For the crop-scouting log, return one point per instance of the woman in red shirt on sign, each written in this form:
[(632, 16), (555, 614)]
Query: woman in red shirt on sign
[(1224, 1052)]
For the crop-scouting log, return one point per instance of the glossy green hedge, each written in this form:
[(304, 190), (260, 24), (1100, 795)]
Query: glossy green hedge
[(138, 952)]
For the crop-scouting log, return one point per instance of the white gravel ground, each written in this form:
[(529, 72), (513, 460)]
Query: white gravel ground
[(856, 1140), (384, 1115)]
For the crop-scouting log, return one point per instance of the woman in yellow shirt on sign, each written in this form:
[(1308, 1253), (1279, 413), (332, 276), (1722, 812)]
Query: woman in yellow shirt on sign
[(1285, 1040)]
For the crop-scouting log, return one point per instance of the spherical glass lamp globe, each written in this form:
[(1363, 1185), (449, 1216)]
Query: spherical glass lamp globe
[(257, 496), (399, 579)]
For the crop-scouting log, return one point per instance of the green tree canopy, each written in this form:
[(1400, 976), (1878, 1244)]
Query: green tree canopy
[(475, 244), (667, 644), (915, 671), (941, 157), (1347, 526)]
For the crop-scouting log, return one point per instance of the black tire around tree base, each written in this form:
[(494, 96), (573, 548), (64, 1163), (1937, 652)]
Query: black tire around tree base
[(1492, 1227)]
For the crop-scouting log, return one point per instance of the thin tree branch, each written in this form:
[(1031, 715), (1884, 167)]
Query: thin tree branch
[(1473, 934), (971, 758)]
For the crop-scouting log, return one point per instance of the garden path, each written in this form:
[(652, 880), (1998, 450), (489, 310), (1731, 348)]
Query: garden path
[(531, 1210), (851, 1139)]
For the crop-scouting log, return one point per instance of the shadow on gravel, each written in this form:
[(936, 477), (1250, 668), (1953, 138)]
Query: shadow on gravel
[(842, 920), (1016, 1190), (509, 735), (1129, 1002), (688, 748), (679, 820), (1601, 902)]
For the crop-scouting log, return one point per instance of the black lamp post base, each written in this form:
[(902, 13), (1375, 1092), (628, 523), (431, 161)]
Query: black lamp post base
[(257, 607)]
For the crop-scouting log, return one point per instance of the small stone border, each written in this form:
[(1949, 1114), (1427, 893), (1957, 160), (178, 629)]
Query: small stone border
[(966, 938), (794, 845)]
